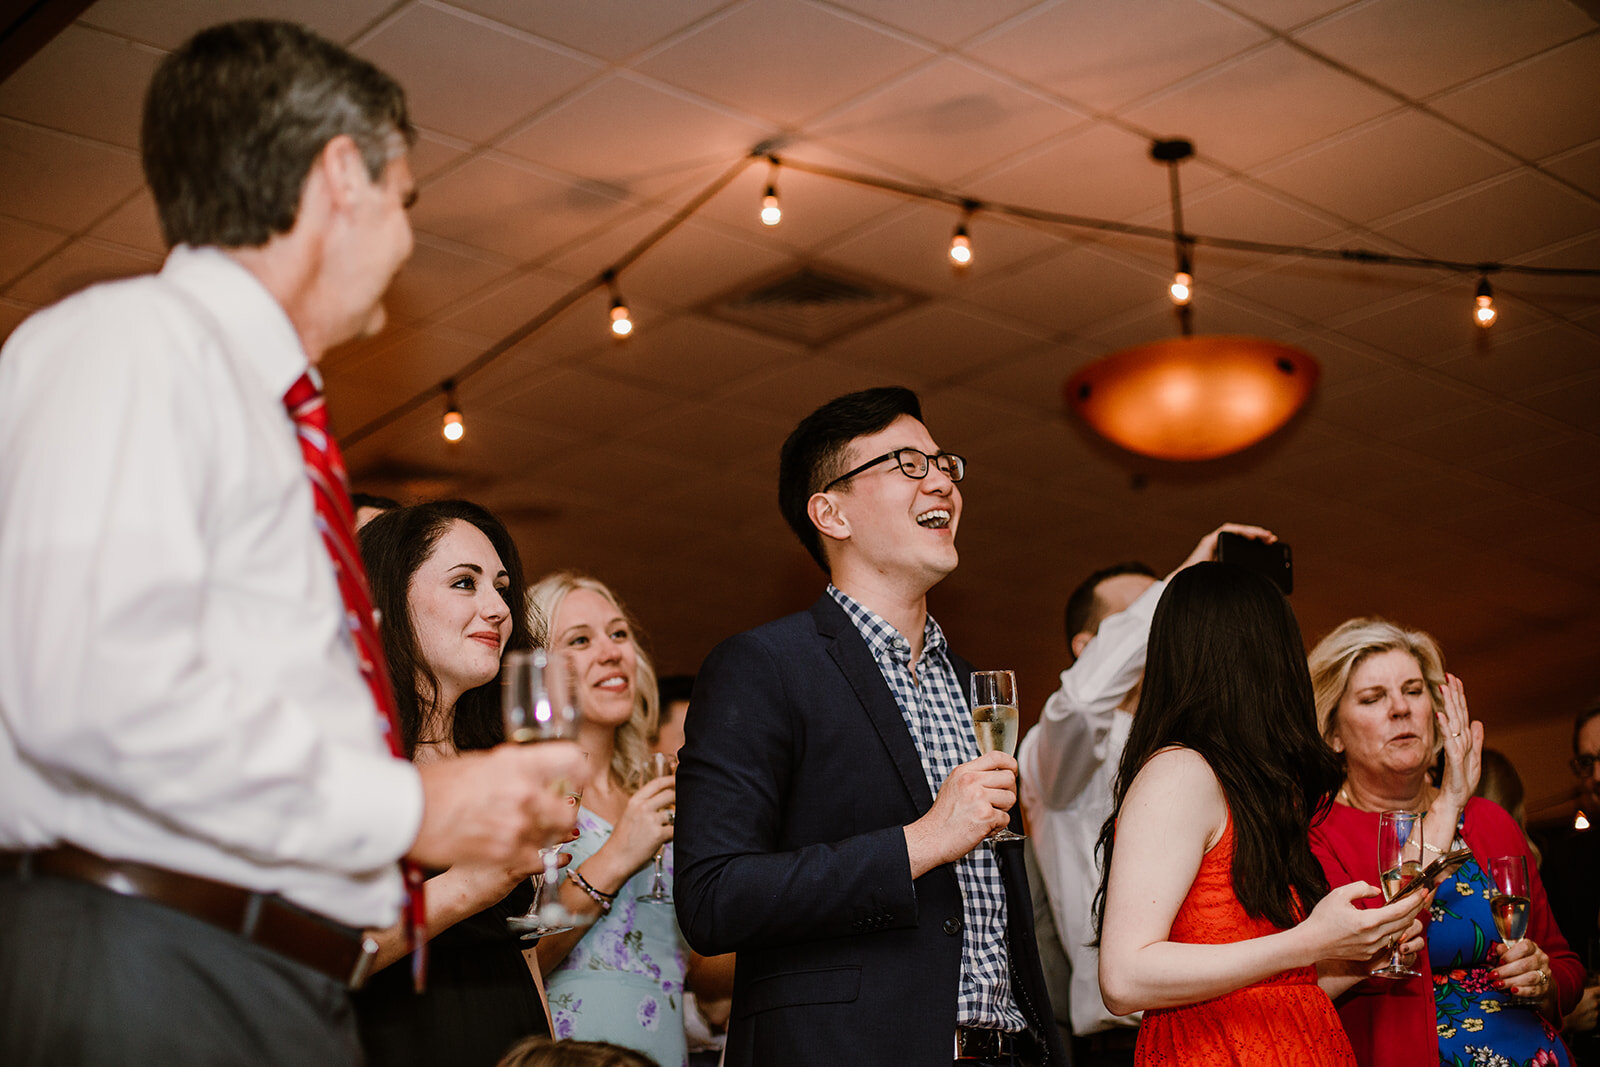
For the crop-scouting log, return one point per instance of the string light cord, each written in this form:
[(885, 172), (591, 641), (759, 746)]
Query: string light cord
[(964, 203)]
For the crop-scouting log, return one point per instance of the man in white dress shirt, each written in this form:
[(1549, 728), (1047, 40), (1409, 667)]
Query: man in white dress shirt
[(1068, 767), (199, 812)]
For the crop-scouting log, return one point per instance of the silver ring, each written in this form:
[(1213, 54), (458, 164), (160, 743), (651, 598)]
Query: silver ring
[(1456, 734), (672, 817)]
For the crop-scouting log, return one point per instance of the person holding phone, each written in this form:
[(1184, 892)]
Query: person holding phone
[(1213, 915), (1069, 759), (1399, 725)]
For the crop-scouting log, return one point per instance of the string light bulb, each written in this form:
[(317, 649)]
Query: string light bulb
[(453, 428), (1182, 288), (961, 241), (1580, 821), (621, 321), (1484, 314), (771, 210)]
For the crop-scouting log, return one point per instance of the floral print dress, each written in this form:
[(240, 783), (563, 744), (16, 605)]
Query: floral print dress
[(1479, 1026), (623, 982)]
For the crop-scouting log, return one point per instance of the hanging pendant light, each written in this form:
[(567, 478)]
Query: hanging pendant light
[(1191, 397)]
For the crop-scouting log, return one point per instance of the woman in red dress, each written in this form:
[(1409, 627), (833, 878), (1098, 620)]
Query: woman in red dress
[(1214, 912)]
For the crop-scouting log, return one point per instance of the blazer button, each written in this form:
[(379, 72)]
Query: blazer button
[(952, 927)]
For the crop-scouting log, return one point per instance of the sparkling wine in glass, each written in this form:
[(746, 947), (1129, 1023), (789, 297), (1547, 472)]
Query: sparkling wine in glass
[(1399, 861), (537, 704), (996, 721), (1509, 904), (659, 766)]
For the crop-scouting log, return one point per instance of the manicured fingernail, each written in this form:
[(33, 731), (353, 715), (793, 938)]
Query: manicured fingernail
[(1498, 984)]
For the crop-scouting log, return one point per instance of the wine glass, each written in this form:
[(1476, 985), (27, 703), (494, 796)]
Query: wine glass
[(1399, 861), (1509, 904), (537, 704), (659, 766), (995, 720)]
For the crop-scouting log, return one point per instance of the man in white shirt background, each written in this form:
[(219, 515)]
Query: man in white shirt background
[(199, 811), (1069, 764)]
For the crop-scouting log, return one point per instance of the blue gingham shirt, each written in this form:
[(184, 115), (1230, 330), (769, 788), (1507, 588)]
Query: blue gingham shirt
[(940, 721)]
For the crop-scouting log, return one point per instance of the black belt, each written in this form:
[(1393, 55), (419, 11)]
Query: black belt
[(979, 1042), (340, 952)]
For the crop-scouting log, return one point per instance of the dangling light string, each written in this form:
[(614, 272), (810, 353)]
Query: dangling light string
[(453, 429), (960, 240), (1173, 153), (621, 322), (771, 210), (1484, 313)]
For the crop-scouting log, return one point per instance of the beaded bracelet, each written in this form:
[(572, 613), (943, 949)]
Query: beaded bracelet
[(600, 898)]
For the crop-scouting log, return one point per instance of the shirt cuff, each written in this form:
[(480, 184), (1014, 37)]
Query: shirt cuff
[(374, 811)]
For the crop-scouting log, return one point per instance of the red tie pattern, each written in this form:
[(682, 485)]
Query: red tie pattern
[(336, 521)]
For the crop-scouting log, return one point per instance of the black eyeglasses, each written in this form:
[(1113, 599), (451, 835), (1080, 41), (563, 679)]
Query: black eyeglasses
[(1583, 766), (913, 463)]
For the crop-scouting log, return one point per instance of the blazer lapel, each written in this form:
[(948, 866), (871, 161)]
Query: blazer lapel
[(849, 651)]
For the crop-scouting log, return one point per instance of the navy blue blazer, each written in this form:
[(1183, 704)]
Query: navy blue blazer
[(794, 782)]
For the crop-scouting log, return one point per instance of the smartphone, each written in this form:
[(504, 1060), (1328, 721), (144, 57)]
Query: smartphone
[(1436, 872), (1273, 560)]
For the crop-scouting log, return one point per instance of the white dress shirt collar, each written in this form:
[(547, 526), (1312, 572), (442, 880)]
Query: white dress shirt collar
[(243, 307)]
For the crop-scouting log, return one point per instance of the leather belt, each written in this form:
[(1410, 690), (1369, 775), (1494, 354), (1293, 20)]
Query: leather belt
[(340, 952), (978, 1042)]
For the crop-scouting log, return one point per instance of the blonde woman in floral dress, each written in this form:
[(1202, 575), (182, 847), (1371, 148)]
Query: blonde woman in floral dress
[(620, 979)]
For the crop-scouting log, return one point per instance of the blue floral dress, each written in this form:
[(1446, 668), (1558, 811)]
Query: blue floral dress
[(1478, 1024), (623, 982)]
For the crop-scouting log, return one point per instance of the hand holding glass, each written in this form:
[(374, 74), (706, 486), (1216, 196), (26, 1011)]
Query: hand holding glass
[(995, 720), (1509, 904), (1399, 861), (537, 704), (660, 766)]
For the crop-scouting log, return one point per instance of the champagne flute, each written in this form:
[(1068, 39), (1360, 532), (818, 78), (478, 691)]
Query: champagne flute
[(660, 766), (1509, 904), (995, 720), (537, 705), (1399, 861)]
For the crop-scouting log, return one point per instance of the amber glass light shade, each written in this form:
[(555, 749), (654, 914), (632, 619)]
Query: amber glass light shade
[(1192, 398)]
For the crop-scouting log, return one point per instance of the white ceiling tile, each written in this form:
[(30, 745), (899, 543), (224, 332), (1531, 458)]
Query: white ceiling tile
[(582, 402), (932, 343), (1287, 14), (1419, 48), (624, 127), (1070, 291), (793, 390), (1536, 108), (1471, 437), (1312, 289), (84, 82), (433, 279), (946, 22), (1568, 459), (507, 208), (1581, 167), (944, 121), (1394, 407), (1231, 115), (172, 22), (818, 212), (1510, 362), (696, 263), (431, 154), (1245, 212), (466, 77), (692, 356), (134, 224), (1101, 171), (12, 312), (1107, 55), (912, 250), (79, 264), (763, 59), (508, 306), (1576, 403), (61, 181), (610, 29), (1511, 216), (1033, 379), (22, 246), (1388, 165), (417, 360), (1425, 327)]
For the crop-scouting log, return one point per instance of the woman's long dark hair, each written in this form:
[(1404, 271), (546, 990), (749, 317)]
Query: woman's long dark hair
[(1225, 675), (393, 546)]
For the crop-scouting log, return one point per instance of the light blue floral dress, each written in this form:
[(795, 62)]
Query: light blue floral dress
[(623, 982)]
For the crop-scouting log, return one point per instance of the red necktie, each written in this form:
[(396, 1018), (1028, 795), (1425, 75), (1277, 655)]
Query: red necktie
[(336, 521)]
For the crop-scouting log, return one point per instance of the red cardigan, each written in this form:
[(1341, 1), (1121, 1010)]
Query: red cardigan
[(1391, 1021)]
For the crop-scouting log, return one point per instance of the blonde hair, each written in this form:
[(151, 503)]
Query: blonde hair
[(631, 749), (1339, 653)]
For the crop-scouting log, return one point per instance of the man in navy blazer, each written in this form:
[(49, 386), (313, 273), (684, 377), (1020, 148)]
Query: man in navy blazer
[(832, 804)]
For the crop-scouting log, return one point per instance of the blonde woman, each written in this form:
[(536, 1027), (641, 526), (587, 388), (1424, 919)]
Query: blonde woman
[(1399, 726), (620, 979)]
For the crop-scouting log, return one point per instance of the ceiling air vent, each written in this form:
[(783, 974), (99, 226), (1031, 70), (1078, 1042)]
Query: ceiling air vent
[(812, 304)]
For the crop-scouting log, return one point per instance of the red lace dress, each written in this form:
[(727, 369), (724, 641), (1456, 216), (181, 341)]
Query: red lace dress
[(1282, 1021)]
